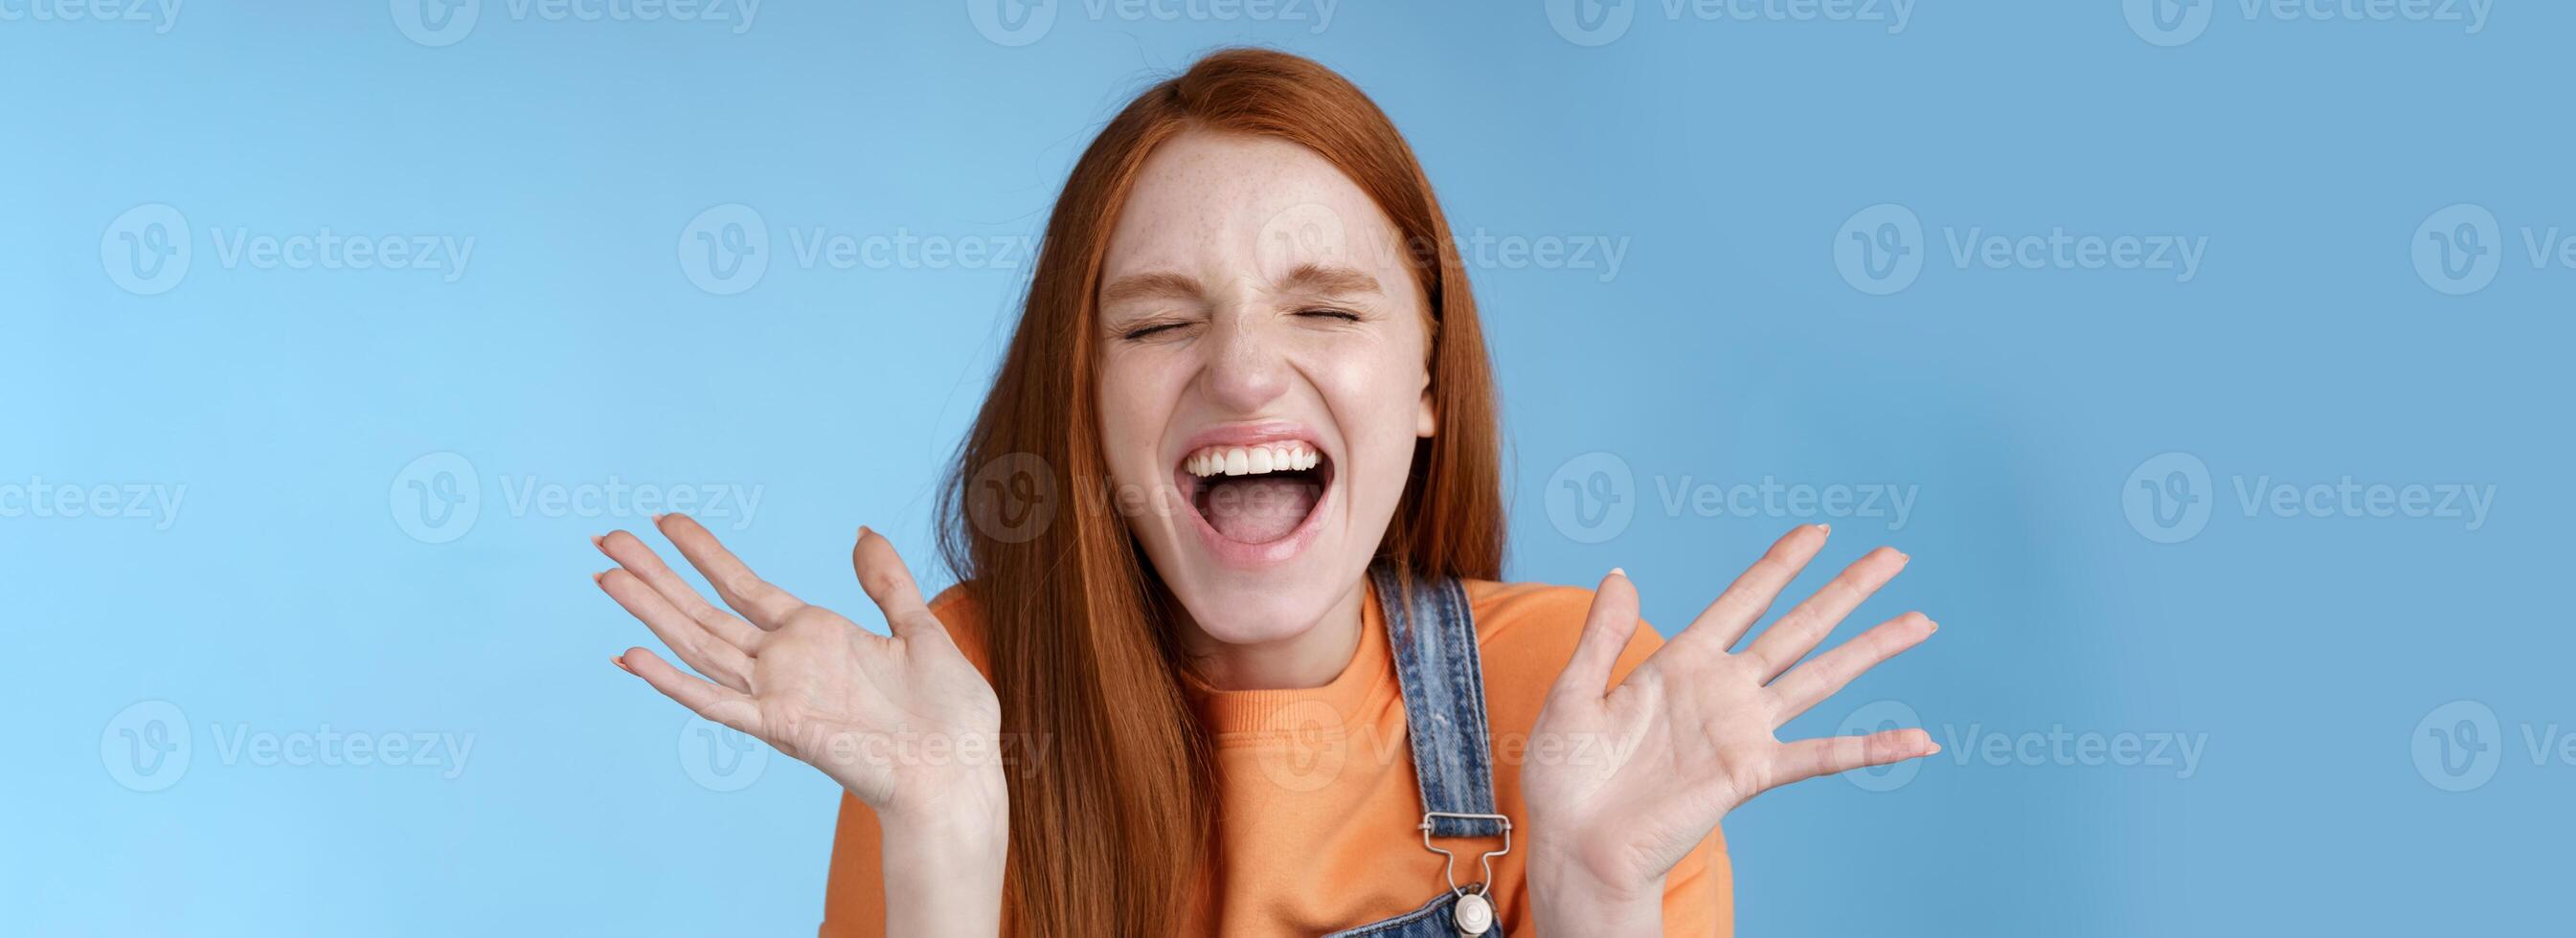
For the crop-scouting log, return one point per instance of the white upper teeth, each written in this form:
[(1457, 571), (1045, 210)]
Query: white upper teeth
[(1252, 460)]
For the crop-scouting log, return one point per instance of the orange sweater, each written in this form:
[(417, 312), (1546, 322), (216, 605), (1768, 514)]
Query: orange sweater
[(1315, 789)]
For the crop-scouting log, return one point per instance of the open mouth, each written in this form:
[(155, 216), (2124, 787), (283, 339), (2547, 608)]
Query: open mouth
[(1256, 493)]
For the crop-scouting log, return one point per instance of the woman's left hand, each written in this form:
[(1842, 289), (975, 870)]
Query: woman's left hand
[(1688, 735)]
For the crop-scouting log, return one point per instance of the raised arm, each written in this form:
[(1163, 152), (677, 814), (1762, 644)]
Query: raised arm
[(904, 722)]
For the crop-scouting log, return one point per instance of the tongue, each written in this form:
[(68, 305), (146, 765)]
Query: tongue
[(1258, 509)]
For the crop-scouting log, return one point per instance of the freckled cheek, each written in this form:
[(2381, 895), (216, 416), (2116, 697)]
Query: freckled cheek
[(1138, 396), (1373, 397)]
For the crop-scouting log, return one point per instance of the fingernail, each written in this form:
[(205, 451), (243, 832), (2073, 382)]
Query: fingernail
[(657, 519), (600, 578), (863, 532), (599, 541), (1936, 750), (1619, 571), (1825, 528), (620, 662)]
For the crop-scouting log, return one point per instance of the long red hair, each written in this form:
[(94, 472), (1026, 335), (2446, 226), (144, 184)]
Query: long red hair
[(1107, 838)]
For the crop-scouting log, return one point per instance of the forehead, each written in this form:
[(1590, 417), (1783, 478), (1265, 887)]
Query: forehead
[(1219, 205)]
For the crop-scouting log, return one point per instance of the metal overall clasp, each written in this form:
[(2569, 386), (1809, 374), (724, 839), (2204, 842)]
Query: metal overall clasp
[(1474, 912)]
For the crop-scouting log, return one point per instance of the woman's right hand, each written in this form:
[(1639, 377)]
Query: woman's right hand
[(904, 722)]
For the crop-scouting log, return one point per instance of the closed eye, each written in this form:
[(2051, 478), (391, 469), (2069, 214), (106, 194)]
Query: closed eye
[(1327, 312)]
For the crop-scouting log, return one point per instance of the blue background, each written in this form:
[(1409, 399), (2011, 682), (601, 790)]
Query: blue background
[(288, 591)]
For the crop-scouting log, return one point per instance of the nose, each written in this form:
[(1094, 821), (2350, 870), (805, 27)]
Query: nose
[(1246, 367)]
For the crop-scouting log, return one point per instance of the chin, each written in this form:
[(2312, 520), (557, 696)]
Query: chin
[(1257, 613)]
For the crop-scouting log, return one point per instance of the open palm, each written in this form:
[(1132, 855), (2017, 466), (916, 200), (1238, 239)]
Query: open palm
[(1688, 735), (904, 722)]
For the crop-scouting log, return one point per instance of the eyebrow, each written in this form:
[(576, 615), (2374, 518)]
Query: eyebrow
[(1325, 279), (1330, 280), (1150, 285)]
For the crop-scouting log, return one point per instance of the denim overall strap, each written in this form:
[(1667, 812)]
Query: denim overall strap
[(1433, 635), (1443, 681)]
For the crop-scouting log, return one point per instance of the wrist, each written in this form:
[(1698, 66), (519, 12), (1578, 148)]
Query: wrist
[(944, 863), (1569, 895), (963, 818)]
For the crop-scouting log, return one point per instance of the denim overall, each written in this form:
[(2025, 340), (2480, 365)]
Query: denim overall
[(1442, 678)]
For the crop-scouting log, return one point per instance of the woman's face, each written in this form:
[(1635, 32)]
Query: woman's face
[(1263, 379)]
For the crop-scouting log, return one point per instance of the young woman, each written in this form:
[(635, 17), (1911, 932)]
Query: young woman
[(1244, 668)]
